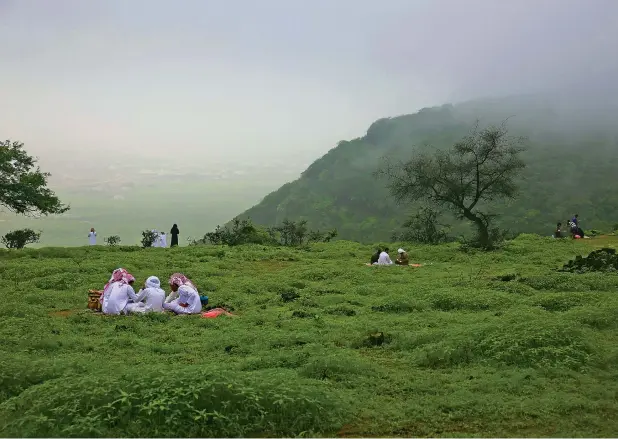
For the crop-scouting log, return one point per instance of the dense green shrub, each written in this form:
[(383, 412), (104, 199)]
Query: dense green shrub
[(186, 402), (20, 238), (113, 241)]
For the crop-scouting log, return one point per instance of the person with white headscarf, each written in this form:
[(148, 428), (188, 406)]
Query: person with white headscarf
[(184, 298), (402, 259), (149, 299)]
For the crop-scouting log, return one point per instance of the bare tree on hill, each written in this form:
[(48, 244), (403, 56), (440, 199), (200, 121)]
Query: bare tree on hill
[(481, 167)]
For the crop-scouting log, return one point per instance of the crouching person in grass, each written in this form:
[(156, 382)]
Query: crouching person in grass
[(150, 298), (384, 258), (118, 292), (184, 298), (402, 258)]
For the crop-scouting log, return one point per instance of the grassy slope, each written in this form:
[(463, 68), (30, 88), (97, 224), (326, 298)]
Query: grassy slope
[(466, 354)]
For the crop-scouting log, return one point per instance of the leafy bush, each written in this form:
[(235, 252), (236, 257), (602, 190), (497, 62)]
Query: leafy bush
[(185, 403), (113, 241), (296, 233), (241, 232), (148, 238), (317, 236), (424, 228), (290, 233), (20, 238)]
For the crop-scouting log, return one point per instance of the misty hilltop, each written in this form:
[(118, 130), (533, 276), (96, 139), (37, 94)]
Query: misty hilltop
[(571, 157)]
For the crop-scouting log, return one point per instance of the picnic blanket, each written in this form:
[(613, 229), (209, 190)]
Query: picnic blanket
[(410, 265), (216, 312)]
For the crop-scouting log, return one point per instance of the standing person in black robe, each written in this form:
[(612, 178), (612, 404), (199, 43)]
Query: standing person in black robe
[(174, 232)]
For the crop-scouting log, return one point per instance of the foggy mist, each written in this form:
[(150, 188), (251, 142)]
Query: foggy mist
[(108, 80)]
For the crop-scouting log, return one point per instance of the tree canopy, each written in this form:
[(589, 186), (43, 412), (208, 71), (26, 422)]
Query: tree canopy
[(23, 186), (481, 167)]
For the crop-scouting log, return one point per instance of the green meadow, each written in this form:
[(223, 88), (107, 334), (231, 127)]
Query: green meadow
[(468, 344)]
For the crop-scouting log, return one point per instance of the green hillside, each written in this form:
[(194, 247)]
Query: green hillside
[(320, 345), (571, 161)]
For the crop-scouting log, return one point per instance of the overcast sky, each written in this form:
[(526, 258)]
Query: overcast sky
[(188, 79)]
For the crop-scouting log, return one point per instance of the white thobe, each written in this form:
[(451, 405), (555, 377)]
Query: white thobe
[(187, 296), (148, 299), (163, 239), (92, 237), (384, 259), (116, 297)]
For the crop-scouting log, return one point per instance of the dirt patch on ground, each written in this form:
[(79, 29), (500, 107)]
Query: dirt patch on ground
[(349, 430)]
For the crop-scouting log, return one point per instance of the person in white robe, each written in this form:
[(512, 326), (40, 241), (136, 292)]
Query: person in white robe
[(92, 237), (384, 258), (163, 240), (184, 298), (117, 294), (149, 299)]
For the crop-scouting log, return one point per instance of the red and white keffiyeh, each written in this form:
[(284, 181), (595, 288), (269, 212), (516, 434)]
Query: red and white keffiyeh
[(118, 275), (180, 279)]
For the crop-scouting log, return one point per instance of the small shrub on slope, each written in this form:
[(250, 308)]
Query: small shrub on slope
[(20, 238), (522, 342), (604, 259), (113, 241)]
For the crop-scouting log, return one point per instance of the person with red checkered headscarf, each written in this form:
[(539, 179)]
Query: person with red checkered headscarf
[(184, 298)]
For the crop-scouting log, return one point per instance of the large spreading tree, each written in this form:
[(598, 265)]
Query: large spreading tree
[(23, 186), (480, 168)]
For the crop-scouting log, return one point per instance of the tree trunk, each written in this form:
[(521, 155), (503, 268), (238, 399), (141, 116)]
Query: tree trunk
[(481, 227)]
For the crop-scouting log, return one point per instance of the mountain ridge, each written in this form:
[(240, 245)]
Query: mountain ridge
[(571, 156)]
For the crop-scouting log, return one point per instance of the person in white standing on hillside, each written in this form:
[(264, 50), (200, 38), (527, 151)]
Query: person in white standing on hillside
[(92, 237), (163, 240)]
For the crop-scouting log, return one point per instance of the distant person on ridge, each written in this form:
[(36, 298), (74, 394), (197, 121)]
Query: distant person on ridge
[(575, 229), (558, 232), (163, 240), (574, 224), (384, 258), (402, 259), (376, 256), (92, 237), (174, 232)]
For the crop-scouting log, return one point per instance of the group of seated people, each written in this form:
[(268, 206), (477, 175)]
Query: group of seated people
[(381, 257), (118, 295), (574, 228)]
